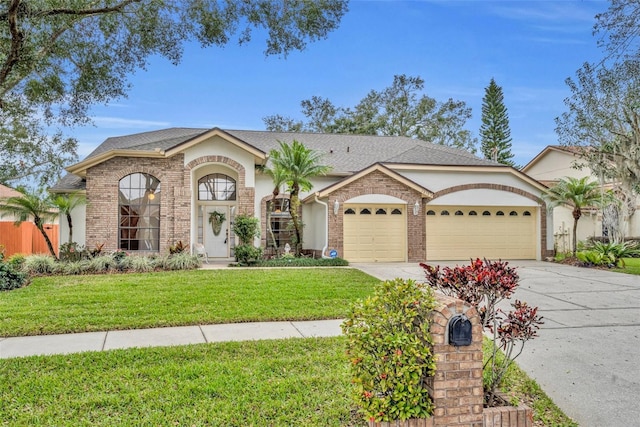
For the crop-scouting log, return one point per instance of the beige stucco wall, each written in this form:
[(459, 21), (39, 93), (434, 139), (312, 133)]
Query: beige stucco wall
[(556, 164)]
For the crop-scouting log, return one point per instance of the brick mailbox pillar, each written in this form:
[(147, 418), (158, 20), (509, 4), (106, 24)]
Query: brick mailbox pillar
[(456, 388)]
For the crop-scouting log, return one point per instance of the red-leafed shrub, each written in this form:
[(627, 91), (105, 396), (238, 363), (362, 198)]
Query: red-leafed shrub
[(485, 284)]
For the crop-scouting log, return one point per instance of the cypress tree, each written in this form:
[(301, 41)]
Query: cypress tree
[(495, 133)]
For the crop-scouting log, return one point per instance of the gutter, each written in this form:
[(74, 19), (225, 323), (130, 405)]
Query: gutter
[(326, 235)]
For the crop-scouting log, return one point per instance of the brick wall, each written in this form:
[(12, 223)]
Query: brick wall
[(102, 199), (379, 183), (456, 388)]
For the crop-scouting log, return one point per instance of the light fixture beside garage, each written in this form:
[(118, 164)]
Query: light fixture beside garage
[(416, 207), (336, 207)]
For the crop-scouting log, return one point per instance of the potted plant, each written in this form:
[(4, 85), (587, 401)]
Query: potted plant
[(216, 219)]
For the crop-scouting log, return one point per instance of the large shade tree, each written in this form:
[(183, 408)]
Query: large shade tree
[(495, 133), (59, 57), (401, 109), (31, 206), (297, 164), (577, 194)]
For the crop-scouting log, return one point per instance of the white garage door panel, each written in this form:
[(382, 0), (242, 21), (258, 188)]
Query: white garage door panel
[(459, 237), (376, 237)]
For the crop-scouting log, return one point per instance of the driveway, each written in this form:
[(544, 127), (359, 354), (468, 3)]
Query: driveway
[(587, 357)]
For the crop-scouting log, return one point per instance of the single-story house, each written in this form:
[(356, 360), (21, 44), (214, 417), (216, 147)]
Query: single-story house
[(385, 199), (555, 162)]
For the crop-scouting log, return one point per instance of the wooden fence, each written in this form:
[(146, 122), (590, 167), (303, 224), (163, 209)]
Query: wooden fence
[(27, 239)]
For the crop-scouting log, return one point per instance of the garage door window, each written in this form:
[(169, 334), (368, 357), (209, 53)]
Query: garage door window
[(526, 213), (381, 211), (396, 212), (349, 212), (444, 213), (473, 213), (430, 213), (486, 213), (365, 211), (500, 213), (513, 213), (459, 213)]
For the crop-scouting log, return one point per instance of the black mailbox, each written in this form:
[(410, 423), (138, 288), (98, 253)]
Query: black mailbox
[(459, 330)]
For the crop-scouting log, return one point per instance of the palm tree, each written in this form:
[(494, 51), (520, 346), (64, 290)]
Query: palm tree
[(576, 193), (298, 164), (30, 205), (278, 176), (67, 203)]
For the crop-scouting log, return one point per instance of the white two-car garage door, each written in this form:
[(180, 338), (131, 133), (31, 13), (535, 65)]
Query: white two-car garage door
[(375, 233), (492, 232)]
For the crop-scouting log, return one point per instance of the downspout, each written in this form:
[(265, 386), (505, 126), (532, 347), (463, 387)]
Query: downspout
[(326, 234)]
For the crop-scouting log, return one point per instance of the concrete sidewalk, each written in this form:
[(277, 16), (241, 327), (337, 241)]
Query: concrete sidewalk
[(157, 337)]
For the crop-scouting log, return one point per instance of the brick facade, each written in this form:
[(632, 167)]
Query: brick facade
[(176, 196), (380, 183)]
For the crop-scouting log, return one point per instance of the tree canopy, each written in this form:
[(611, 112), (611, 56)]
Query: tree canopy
[(59, 57), (399, 110), (495, 134)]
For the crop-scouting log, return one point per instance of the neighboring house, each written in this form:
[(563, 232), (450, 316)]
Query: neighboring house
[(24, 239), (386, 198), (553, 163)]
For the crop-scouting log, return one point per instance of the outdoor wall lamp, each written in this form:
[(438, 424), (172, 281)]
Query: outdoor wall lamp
[(416, 208), (336, 207)]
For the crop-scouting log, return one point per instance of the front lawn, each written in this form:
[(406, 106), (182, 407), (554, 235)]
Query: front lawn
[(631, 266), (295, 382), (63, 304)]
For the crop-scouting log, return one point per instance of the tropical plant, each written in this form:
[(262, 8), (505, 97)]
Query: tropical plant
[(391, 351), (576, 193), (66, 203), (39, 265), (178, 248), (10, 276), (484, 285), (298, 165), (608, 253), (31, 206)]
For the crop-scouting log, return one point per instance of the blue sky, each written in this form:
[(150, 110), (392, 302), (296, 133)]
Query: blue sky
[(529, 47)]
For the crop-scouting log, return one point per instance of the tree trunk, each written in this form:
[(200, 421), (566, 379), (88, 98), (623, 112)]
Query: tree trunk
[(576, 216), (294, 203), (40, 226), (269, 228), (70, 227)]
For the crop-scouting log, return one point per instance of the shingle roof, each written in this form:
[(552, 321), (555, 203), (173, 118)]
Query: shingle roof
[(344, 153), (8, 192)]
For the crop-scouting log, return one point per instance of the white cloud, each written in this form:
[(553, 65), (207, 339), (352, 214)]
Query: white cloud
[(120, 122)]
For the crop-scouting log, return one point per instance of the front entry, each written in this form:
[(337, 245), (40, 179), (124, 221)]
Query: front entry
[(217, 231)]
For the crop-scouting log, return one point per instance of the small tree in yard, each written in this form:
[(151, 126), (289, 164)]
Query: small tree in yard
[(484, 284), (246, 228)]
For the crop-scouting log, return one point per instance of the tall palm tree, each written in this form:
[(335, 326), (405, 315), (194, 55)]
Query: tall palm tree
[(67, 203), (299, 164), (31, 205), (576, 193)]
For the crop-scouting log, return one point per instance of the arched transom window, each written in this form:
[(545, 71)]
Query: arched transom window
[(139, 212), (216, 186)]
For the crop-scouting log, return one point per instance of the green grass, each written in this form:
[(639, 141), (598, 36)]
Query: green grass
[(63, 304), (632, 266), (296, 382)]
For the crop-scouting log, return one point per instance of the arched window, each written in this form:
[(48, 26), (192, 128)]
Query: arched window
[(396, 212), (349, 212), (430, 212), (365, 211), (216, 186), (444, 213), (473, 213), (499, 213), (458, 213), (513, 213), (139, 213), (381, 211), (486, 213), (526, 213)]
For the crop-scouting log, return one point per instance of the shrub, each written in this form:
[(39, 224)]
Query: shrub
[(484, 285), (16, 261), (292, 261), (72, 252), (246, 228), (10, 277), (75, 267), (247, 254), (178, 248), (183, 261), (609, 254), (141, 264), (390, 350), (40, 264), (102, 264)]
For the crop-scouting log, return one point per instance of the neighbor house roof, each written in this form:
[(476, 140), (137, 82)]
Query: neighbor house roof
[(6, 192), (575, 151), (345, 154)]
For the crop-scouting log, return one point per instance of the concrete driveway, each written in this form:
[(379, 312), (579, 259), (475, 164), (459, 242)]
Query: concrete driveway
[(587, 357)]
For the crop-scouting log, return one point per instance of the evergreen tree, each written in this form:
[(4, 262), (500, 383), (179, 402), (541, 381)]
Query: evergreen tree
[(495, 135)]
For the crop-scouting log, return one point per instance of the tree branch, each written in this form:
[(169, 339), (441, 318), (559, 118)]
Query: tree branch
[(17, 41)]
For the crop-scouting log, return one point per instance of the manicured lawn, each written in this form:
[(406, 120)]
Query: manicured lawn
[(62, 304), (632, 266), (296, 382)]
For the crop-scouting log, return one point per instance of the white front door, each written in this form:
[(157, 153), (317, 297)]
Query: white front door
[(216, 233)]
